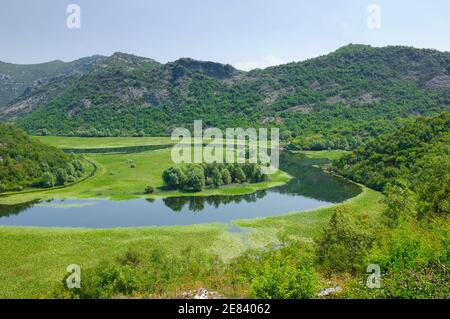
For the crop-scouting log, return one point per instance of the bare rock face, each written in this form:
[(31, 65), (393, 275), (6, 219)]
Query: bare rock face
[(300, 108), (5, 77), (439, 82), (20, 106), (335, 99)]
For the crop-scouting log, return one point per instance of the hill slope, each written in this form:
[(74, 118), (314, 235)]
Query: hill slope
[(341, 97), (26, 162), (17, 79), (398, 156)]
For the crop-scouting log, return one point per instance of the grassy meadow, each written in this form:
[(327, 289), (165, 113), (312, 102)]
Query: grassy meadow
[(102, 142)]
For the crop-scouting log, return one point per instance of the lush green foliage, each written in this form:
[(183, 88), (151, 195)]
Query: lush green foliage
[(195, 177), (412, 152), (25, 162), (411, 241), (344, 242), (335, 101), (285, 273)]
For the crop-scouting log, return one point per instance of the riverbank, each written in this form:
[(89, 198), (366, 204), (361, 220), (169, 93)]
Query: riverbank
[(122, 176), (34, 260)]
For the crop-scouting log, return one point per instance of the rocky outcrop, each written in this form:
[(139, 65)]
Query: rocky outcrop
[(439, 82)]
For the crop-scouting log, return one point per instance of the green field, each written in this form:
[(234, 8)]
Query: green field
[(102, 142), (108, 142), (331, 155)]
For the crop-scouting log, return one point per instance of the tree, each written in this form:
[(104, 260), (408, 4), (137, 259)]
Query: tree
[(238, 174), (216, 177), (48, 180), (226, 177), (344, 242), (174, 177), (195, 179), (61, 176)]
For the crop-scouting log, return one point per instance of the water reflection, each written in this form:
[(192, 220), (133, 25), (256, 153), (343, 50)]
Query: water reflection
[(310, 188), (197, 203)]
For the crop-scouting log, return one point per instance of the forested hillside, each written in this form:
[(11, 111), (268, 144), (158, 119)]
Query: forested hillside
[(403, 154), (410, 241), (334, 101), (26, 162)]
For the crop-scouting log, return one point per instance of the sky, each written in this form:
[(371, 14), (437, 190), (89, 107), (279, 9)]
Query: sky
[(244, 33)]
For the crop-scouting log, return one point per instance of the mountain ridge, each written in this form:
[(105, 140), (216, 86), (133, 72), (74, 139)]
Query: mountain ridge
[(129, 95)]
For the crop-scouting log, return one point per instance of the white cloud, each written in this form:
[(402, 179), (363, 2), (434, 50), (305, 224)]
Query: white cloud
[(269, 60)]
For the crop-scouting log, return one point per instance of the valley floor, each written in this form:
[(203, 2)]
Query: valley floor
[(34, 260)]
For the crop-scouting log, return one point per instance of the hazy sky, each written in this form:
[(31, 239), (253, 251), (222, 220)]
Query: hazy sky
[(244, 33)]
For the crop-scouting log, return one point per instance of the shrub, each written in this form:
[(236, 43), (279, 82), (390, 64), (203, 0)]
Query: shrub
[(413, 258), (344, 242), (131, 257), (282, 273), (149, 189), (283, 280)]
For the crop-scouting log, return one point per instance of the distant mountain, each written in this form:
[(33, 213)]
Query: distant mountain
[(354, 91), (17, 79)]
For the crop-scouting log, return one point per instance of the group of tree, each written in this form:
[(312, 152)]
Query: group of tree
[(26, 162), (195, 177)]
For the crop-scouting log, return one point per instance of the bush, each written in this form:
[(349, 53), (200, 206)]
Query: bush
[(2, 188), (344, 242), (131, 257), (413, 258), (149, 189), (284, 273), (282, 280), (105, 281)]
